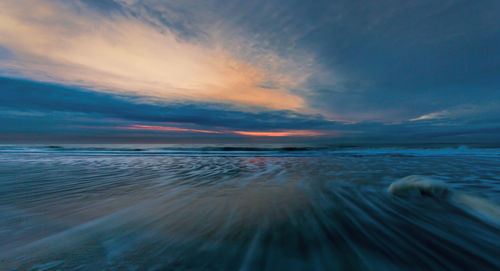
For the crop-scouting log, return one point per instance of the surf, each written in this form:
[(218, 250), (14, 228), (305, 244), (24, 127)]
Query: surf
[(416, 185)]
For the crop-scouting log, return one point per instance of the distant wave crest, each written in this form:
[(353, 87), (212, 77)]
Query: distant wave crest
[(259, 150)]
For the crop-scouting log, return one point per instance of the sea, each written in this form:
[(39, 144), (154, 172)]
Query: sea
[(250, 207)]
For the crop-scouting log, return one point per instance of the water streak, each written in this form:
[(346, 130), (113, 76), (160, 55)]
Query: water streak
[(241, 210)]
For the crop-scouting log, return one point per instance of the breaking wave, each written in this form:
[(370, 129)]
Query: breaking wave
[(425, 186)]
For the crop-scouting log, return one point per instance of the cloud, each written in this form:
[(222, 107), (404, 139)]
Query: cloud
[(33, 110), (396, 60), (432, 116), (167, 129), (412, 70), (31, 96), (462, 113), (282, 133), (119, 53)]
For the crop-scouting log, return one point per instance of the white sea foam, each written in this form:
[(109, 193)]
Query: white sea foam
[(425, 186), (419, 184)]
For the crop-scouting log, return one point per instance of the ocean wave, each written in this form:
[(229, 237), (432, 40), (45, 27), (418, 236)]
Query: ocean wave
[(419, 185), (259, 150), (425, 186), (329, 212)]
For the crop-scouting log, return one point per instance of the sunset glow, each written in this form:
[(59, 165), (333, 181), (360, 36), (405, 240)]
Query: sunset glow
[(280, 133), (245, 133), (125, 55), (248, 70)]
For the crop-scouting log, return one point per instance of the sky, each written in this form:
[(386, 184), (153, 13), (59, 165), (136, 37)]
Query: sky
[(204, 71)]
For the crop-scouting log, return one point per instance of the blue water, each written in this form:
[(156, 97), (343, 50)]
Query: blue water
[(269, 207)]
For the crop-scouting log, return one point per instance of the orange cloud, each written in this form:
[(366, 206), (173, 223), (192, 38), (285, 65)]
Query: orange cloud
[(246, 133), (53, 42), (281, 133)]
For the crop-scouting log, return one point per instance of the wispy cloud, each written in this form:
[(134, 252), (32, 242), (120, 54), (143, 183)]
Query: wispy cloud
[(256, 68), (432, 116), (461, 113), (167, 129), (119, 53)]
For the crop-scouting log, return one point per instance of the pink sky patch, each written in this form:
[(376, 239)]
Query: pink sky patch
[(245, 133)]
